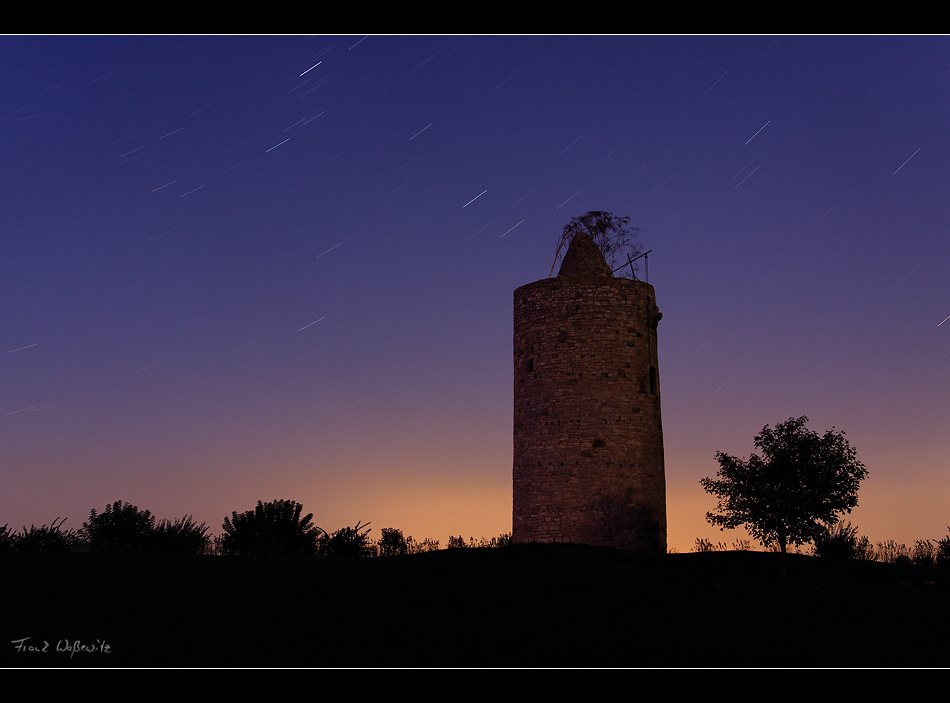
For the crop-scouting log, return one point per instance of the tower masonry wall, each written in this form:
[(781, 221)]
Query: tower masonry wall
[(588, 438)]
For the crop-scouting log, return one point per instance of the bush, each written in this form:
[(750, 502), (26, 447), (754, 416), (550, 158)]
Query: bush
[(493, 543), (705, 545), (923, 554), (891, 552), (457, 542), (216, 547), (121, 527), (347, 543), (272, 529), (863, 549), (46, 539), (180, 537), (7, 538), (426, 545), (503, 540), (392, 543), (943, 551), (840, 541)]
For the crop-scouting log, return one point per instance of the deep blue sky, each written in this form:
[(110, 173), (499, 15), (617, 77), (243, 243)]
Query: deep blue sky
[(240, 268)]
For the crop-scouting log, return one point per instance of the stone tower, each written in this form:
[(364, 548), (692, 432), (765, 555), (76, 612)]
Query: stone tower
[(588, 440)]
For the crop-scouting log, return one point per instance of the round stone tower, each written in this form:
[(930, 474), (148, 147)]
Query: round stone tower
[(588, 439)]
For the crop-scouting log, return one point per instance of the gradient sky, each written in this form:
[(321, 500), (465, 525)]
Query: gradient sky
[(240, 268)]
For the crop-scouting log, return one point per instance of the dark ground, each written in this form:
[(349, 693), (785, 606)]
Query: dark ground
[(522, 606)]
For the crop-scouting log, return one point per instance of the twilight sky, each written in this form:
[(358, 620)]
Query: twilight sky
[(240, 268)]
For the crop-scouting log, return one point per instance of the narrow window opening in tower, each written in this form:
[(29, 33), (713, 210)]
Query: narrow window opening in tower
[(652, 380), (530, 365)]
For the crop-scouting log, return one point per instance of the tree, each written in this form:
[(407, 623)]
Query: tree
[(271, 529), (794, 491), (611, 234)]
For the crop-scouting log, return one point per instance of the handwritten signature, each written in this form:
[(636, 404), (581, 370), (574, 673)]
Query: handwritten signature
[(72, 647)]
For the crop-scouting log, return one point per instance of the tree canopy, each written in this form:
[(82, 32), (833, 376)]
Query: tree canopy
[(610, 233), (793, 491)]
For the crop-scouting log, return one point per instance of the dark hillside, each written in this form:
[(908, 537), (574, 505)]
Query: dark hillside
[(523, 606)]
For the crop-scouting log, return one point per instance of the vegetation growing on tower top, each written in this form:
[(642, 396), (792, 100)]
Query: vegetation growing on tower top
[(612, 235)]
